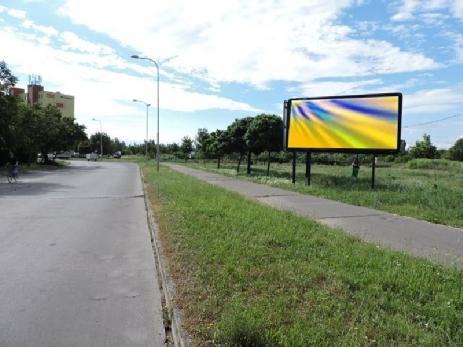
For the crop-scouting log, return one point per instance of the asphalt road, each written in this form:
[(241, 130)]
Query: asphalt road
[(76, 263)]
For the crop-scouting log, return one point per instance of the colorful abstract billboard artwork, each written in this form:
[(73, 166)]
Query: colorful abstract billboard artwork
[(360, 123)]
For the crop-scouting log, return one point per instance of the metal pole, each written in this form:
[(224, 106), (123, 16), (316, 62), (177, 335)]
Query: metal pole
[(101, 140), (293, 176), (157, 135), (373, 166), (146, 143), (308, 164)]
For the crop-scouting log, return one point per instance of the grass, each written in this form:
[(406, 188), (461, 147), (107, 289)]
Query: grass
[(424, 189), (250, 275)]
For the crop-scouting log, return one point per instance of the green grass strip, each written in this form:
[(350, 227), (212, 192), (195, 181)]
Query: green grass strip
[(250, 275), (434, 195)]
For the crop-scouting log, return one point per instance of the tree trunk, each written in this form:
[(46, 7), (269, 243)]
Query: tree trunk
[(239, 163), (248, 169), (268, 164), (218, 162)]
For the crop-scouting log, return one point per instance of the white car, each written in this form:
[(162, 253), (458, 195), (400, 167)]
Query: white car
[(91, 156)]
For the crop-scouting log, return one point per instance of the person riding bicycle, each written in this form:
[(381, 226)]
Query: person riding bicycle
[(13, 170)]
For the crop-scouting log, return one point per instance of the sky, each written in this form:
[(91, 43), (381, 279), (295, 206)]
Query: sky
[(222, 60)]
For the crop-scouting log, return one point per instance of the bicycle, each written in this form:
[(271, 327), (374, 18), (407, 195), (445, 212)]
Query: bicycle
[(13, 173)]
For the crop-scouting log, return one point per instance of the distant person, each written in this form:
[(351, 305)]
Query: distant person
[(13, 170)]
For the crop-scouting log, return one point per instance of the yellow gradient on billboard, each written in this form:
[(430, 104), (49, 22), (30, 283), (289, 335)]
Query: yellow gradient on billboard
[(344, 123)]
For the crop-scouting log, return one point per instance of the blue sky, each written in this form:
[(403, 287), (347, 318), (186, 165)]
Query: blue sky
[(236, 58)]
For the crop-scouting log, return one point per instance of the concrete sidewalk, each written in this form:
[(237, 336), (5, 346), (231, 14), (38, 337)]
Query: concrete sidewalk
[(419, 238)]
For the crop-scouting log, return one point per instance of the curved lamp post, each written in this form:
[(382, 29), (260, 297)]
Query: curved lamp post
[(157, 133), (147, 105)]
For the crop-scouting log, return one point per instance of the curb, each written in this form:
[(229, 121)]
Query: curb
[(172, 323)]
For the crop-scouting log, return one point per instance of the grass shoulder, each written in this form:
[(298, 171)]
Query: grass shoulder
[(250, 275)]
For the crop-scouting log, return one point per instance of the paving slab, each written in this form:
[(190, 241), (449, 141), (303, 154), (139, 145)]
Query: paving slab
[(439, 243)]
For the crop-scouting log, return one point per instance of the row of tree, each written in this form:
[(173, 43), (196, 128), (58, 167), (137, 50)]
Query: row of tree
[(259, 134), (264, 133)]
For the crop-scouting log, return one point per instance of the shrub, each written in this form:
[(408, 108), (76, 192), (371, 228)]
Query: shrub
[(434, 164)]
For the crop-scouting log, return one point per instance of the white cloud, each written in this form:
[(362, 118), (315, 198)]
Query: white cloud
[(46, 30), (408, 9), (13, 12), (457, 8), (434, 101), (320, 88), (98, 91), (73, 42), (247, 42)]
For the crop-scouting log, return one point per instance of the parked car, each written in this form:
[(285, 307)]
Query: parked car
[(91, 156), (63, 155), (117, 155)]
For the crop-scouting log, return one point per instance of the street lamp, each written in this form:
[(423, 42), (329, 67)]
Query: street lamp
[(157, 133), (147, 105), (101, 136)]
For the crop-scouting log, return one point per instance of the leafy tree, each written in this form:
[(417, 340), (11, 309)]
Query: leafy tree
[(234, 140), (7, 79), (27, 130), (265, 133), (201, 142), (95, 143), (424, 148), (456, 151), (9, 109), (215, 145), (186, 147), (117, 145)]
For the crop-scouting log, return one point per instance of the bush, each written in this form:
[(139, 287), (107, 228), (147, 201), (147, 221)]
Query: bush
[(403, 158), (456, 151), (434, 164)]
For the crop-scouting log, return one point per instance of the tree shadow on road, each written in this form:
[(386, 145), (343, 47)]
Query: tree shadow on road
[(29, 188)]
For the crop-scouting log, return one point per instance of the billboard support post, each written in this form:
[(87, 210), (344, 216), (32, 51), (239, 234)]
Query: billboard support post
[(293, 175), (308, 164), (248, 167), (373, 167)]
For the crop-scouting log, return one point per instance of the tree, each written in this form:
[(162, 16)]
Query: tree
[(456, 151), (201, 142), (186, 147), (95, 143), (424, 148), (265, 133), (234, 141), (215, 145), (7, 79)]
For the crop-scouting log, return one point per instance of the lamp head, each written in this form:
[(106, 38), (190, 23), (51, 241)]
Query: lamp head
[(135, 56), (135, 100), (148, 105)]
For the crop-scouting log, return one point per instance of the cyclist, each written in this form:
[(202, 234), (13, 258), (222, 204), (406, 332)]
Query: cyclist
[(13, 170)]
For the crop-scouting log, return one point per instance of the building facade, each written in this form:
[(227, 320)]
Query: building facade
[(36, 95), (65, 103)]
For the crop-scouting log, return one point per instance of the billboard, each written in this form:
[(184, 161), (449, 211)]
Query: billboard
[(367, 123)]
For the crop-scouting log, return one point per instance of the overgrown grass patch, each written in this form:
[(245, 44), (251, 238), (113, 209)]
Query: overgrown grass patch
[(435, 164), (250, 275), (428, 191)]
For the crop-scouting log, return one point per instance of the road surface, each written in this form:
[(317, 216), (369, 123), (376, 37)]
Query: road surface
[(76, 263)]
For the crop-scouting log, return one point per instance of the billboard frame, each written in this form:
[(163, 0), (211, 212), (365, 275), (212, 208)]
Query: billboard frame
[(287, 123)]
